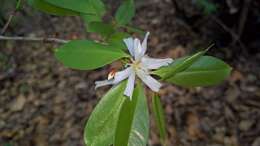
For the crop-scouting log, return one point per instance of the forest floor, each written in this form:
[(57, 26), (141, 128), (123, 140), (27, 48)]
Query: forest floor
[(42, 103)]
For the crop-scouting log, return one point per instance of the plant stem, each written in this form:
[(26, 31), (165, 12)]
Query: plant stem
[(33, 39), (11, 17)]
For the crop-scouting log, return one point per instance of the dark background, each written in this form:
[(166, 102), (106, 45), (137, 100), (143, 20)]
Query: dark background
[(42, 103)]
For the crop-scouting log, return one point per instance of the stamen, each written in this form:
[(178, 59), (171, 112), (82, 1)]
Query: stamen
[(111, 74)]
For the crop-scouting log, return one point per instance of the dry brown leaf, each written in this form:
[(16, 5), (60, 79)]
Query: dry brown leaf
[(256, 142), (193, 129), (177, 52), (236, 76), (18, 104)]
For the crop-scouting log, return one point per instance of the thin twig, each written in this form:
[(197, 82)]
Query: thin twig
[(11, 17), (232, 8), (7, 23), (34, 39), (232, 33), (243, 17)]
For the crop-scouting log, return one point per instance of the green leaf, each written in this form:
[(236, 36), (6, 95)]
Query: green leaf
[(178, 66), (93, 22), (205, 71), (100, 10), (87, 55), (133, 123), (159, 117), (51, 9), (18, 4), (125, 12), (82, 6), (116, 39), (101, 125), (134, 30), (104, 29), (140, 126), (207, 6), (98, 6), (125, 120), (87, 18)]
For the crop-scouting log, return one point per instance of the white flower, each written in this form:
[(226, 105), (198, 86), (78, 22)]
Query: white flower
[(140, 65)]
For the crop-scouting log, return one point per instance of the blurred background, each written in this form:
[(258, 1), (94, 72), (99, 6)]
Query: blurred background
[(42, 103)]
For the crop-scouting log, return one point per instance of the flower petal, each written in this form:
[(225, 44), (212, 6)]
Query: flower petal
[(121, 75), (138, 49), (130, 45), (144, 43), (152, 63), (103, 83), (149, 81), (130, 85)]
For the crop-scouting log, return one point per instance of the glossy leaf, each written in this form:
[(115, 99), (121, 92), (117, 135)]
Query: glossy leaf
[(133, 124), (86, 55), (140, 126), (97, 15), (101, 28), (125, 120), (51, 9), (178, 66), (125, 12), (116, 39), (82, 6), (159, 117), (87, 18), (205, 71), (134, 30), (101, 125), (98, 6)]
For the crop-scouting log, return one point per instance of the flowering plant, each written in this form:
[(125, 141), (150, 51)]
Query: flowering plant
[(140, 65), (121, 117)]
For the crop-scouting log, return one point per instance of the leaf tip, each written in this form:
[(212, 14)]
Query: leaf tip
[(209, 47)]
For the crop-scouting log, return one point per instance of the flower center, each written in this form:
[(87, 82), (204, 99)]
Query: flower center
[(136, 64)]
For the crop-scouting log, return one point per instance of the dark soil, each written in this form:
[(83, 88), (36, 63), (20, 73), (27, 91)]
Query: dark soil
[(42, 103)]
